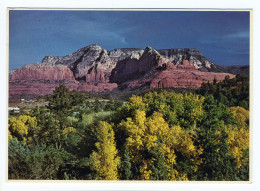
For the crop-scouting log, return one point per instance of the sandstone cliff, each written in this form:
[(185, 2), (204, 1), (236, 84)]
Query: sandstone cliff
[(95, 69), (42, 72), (184, 75)]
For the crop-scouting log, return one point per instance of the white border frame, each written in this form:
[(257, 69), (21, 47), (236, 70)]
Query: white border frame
[(198, 4)]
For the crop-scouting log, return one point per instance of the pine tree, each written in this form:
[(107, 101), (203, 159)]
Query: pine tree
[(159, 169), (60, 103), (218, 163), (125, 166)]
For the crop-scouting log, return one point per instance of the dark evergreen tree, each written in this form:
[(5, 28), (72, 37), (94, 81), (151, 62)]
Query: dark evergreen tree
[(231, 92), (125, 169), (218, 164), (60, 104), (60, 101), (159, 169), (97, 106)]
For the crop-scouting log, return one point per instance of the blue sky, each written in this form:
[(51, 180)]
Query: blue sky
[(222, 36)]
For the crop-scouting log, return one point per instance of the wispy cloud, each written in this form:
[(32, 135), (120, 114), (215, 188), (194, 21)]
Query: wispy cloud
[(111, 35), (238, 35), (243, 35), (34, 34), (99, 28), (88, 27)]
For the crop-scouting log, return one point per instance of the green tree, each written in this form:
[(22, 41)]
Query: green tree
[(158, 167), (60, 101), (218, 163), (60, 104), (126, 166), (35, 162), (97, 106), (76, 97), (231, 92)]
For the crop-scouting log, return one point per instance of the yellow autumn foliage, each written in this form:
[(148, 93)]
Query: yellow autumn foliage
[(69, 131), (22, 127), (241, 115), (145, 171), (238, 136), (105, 160), (196, 105), (238, 142), (142, 136), (135, 103), (179, 140), (10, 137)]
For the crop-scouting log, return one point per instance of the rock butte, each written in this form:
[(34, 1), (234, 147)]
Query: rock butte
[(93, 69)]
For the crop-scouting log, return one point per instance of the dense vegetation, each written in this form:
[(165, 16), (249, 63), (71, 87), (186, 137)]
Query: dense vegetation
[(157, 136), (230, 92)]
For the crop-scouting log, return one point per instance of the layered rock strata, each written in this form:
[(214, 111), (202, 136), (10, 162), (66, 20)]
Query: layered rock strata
[(95, 69)]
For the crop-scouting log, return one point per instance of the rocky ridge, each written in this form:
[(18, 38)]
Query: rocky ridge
[(95, 69)]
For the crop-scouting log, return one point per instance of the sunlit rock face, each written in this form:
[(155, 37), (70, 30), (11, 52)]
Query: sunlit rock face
[(94, 69), (42, 72)]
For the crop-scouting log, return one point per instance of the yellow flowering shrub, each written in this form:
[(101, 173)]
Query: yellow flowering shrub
[(22, 127)]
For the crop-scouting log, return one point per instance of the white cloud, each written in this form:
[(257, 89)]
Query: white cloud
[(98, 29), (243, 35), (238, 35)]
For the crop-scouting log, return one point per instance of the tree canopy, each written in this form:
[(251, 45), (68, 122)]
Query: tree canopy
[(160, 135)]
